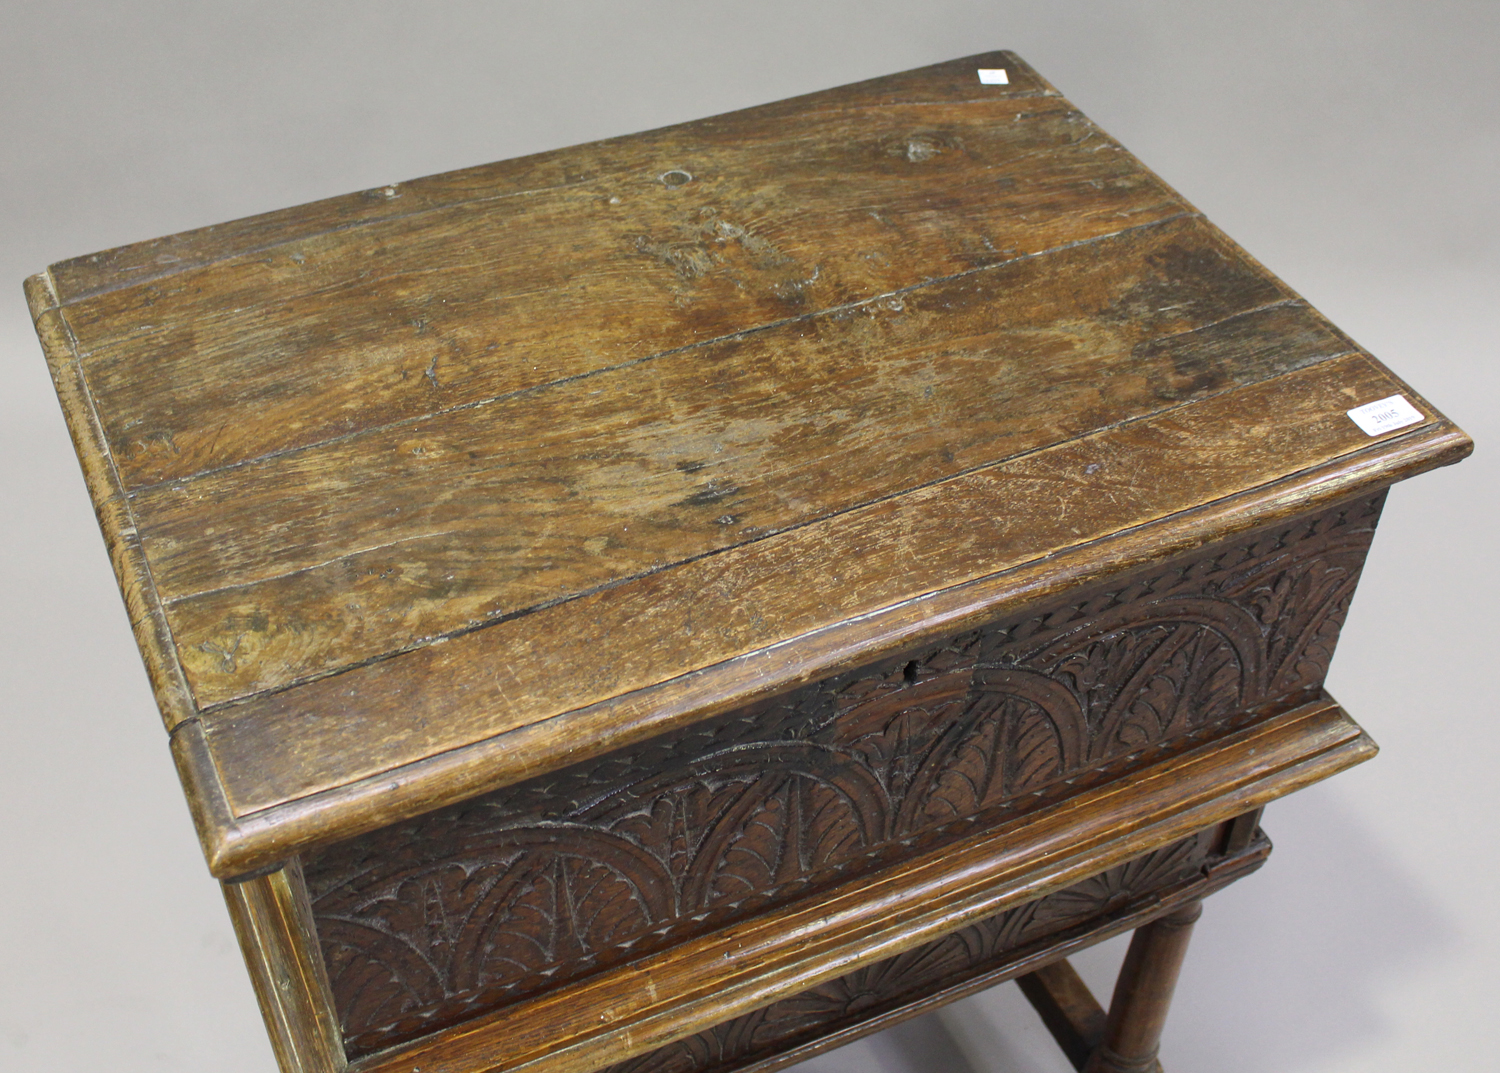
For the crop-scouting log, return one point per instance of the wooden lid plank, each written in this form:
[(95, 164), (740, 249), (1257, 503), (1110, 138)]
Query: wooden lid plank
[(458, 480)]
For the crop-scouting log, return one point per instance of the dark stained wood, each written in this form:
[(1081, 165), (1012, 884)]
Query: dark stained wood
[(685, 601), (147, 618), (1067, 1008), (370, 803), (1143, 994), (455, 306), (422, 491), (960, 964), (559, 876), (526, 670), (1241, 831), (634, 1008)]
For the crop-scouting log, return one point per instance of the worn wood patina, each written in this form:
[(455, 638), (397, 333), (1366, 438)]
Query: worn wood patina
[(716, 568)]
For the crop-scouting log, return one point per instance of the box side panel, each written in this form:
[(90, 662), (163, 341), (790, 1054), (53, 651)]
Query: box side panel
[(628, 1010), (431, 922)]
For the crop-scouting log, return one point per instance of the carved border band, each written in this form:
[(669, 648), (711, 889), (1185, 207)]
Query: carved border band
[(435, 920)]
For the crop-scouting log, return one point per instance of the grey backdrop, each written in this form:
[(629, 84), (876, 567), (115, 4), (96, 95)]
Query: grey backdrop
[(1353, 147)]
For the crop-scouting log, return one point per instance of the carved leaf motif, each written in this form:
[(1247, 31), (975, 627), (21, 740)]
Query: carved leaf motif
[(778, 836), (1191, 678), (962, 778), (896, 981), (1036, 757), (360, 970), (567, 908), (479, 904)]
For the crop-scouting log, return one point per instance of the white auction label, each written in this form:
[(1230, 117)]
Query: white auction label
[(1383, 415), (993, 76)]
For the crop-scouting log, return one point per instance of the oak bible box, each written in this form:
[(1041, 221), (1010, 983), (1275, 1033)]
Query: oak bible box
[(682, 602)]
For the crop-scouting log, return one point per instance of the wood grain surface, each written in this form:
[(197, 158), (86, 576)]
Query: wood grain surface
[(279, 941), (431, 921), (979, 956), (419, 491), (758, 596), (947, 83), (459, 305), (636, 1008), (282, 570)]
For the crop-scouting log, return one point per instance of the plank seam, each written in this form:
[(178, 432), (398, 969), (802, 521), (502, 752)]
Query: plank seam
[(614, 583)]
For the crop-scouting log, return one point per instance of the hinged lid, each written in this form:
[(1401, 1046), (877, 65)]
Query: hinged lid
[(422, 490)]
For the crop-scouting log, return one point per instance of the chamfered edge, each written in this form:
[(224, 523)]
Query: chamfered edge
[(634, 1008), (257, 842), (122, 541), (243, 846), (237, 846)]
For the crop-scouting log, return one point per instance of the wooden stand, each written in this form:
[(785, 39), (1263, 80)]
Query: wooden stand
[(1143, 994), (676, 604), (1127, 1039)]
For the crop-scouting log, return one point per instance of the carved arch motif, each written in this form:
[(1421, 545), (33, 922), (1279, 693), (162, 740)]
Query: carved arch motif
[(890, 984), (432, 920)]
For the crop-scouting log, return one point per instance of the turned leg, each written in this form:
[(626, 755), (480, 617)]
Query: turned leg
[(1143, 993)]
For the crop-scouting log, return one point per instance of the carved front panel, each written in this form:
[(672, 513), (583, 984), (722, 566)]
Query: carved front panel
[(434, 920), (970, 952)]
